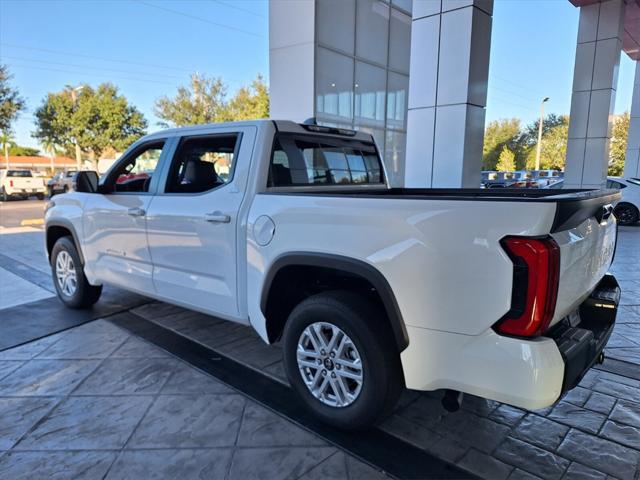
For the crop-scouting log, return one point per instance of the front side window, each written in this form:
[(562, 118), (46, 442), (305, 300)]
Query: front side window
[(202, 163), (614, 184), (302, 160), (134, 173)]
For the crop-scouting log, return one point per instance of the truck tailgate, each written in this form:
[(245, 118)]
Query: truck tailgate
[(586, 252)]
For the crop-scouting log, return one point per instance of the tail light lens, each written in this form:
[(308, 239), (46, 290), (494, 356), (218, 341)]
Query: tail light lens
[(536, 273), (11, 183)]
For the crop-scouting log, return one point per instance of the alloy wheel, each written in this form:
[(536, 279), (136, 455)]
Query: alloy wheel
[(66, 274), (330, 364)]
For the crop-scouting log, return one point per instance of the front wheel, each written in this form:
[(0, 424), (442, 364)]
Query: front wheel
[(68, 276), (340, 361), (626, 213)]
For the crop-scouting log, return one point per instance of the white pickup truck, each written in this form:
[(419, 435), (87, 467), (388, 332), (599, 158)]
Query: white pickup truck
[(292, 229), (20, 184)]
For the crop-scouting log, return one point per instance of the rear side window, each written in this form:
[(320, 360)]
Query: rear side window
[(19, 173), (635, 181), (302, 160)]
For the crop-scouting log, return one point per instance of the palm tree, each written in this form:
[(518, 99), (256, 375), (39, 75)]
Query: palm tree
[(51, 148), (6, 139)]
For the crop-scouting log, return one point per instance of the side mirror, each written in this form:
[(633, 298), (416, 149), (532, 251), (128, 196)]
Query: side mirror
[(86, 182)]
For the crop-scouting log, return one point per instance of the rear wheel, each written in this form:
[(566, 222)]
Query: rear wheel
[(68, 276), (65, 189), (626, 213), (40, 196), (3, 195), (340, 361)]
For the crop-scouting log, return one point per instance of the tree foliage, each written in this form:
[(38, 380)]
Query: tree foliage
[(205, 101), (18, 151), (554, 144), (99, 119), (497, 135), (522, 142), (618, 144), (11, 103), (506, 160)]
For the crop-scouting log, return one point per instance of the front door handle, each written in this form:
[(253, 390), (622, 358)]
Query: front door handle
[(217, 217), (136, 212)]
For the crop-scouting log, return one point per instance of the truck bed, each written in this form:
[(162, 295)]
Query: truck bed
[(574, 205)]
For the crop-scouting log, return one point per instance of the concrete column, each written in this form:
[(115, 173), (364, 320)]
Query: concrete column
[(292, 59), (450, 43), (595, 78), (632, 157)]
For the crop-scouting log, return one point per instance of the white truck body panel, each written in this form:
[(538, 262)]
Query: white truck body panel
[(442, 258)]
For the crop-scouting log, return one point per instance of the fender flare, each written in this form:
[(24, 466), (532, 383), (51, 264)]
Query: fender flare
[(64, 223), (349, 265)]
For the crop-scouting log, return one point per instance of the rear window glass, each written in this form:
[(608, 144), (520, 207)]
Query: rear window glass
[(300, 160), (19, 173)]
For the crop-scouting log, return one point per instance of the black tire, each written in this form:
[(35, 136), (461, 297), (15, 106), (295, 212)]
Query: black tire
[(40, 196), (381, 372), (65, 189), (3, 195), (51, 192), (84, 295), (626, 213)]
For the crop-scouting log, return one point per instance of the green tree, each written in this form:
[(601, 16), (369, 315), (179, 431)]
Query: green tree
[(99, 119), (19, 151), (506, 160), (553, 150), (249, 103), (618, 144), (205, 101), (498, 134), (11, 103)]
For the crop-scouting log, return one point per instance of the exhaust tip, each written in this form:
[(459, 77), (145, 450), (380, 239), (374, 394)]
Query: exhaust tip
[(452, 400), (601, 358)]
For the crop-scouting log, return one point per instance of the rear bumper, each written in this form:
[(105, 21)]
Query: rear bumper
[(530, 374), (582, 345)]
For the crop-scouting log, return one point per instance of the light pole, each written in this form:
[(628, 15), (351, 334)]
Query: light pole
[(539, 146), (74, 98)]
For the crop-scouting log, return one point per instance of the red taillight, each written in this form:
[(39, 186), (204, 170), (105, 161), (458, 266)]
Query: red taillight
[(535, 285), (11, 183)]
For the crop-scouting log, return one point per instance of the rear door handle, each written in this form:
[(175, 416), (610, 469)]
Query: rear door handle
[(136, 212), (217, 217)]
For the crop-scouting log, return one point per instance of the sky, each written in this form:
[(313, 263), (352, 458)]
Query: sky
[(149, 47)]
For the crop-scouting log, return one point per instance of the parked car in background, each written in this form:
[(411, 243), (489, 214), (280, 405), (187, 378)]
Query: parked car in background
[(20, 184), (62, 182), (521, 179), (493, 179), (546, 177), (627, 209), (294, 230)]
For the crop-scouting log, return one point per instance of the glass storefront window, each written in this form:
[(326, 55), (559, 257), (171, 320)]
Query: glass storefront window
[(397, 94), (334, 87), (399, 41), (336, 24), (394, 156), (372, 27), (370, 90)]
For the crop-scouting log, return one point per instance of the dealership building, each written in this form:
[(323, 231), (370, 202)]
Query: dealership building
[(414, 74)]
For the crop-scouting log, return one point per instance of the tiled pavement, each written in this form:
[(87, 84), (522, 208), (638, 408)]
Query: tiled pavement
[(144, 413), (592, 433), (95, 402)]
